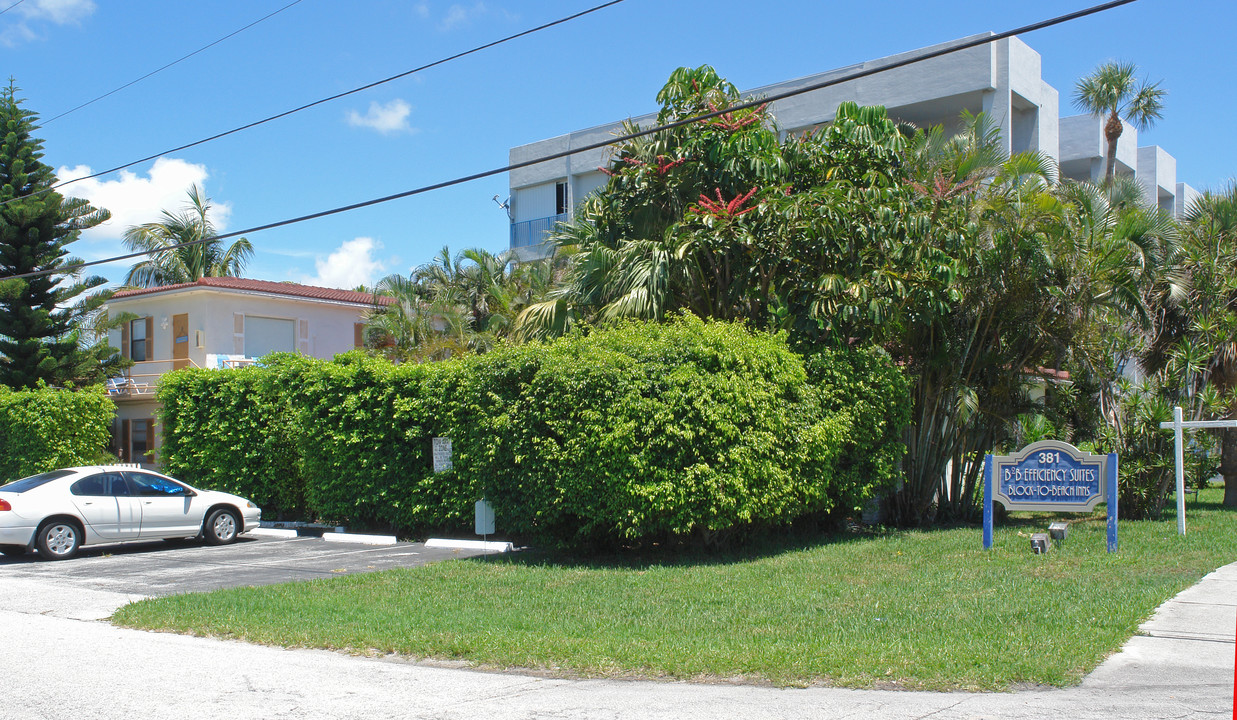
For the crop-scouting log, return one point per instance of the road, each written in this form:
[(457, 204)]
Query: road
[(60, 659)]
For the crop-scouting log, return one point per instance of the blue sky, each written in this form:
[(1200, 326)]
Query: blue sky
[(463, 117)]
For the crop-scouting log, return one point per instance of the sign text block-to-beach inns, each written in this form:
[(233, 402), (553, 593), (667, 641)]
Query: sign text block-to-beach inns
[(1052, 476)]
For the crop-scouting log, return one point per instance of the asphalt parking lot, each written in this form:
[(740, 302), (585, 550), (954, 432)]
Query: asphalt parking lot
[(162, 568)]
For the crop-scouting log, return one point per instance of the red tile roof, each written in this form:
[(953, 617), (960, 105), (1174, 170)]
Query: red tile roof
[(264, 286)]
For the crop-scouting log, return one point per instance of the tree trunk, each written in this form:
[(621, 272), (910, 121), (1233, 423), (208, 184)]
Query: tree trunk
[(1112, 131), (1228, 466)]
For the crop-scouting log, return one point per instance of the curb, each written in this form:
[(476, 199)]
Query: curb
[(272, 532), (329, 537), (362, 539), (501, 547)]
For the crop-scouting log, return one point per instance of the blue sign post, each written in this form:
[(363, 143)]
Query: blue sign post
[(1054, 476)]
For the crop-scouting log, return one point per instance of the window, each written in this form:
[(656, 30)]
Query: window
[(139, 439), (32, 482), (101, 485), (561, 201), (137, 340), (92, 485), (149, 485), (267, 335)]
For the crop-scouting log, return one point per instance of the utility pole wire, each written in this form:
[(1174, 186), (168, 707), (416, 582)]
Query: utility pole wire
[(174, 62), (1060, 19), (19, 2), (315, 103)]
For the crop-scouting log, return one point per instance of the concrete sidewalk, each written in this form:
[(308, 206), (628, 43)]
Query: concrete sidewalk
[(60, 662)]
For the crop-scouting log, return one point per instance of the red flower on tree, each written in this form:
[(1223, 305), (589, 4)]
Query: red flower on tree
[(720, 208), (731, 121), (664, 165), (943, 188)]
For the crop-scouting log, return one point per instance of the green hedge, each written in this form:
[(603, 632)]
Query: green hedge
[(653, 432), (232, 430), (44, 429), (368, 427), (865, 383), (635, 434)]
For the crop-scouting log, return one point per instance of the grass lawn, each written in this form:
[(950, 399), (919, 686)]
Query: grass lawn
[(927, 610)]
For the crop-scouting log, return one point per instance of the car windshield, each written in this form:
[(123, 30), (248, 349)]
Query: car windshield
[(32, 482)]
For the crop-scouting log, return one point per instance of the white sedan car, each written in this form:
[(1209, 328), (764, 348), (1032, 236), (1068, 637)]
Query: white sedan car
[(57, 512)]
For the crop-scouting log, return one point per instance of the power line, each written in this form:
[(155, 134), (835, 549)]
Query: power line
[(1060, 19), (315, 103), (174, 62), (19, 2)]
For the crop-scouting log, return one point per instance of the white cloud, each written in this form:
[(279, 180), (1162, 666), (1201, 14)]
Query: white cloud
[(133, 199), (34, 13), (60, 12), (386, 119), (422, 10), (351, 265), (458, 15)]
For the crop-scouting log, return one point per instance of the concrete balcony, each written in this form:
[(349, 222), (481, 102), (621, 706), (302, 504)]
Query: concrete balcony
[(141, 381)]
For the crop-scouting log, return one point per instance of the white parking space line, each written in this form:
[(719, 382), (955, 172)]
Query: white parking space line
[(331, 552)]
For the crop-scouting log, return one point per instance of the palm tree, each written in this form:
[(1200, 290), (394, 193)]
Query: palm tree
[(170, 261), (1201, 322), (1113, 90), (410, 328), (456, 304)]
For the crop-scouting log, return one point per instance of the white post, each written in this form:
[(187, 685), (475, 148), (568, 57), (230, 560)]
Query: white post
[(1177, 425), (1180, 452)]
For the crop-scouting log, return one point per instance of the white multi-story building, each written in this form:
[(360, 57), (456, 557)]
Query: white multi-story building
[(1001, 78)]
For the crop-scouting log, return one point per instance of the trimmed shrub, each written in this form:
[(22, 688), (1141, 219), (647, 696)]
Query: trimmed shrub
[(636, 434), (44, 429), (233, 430), (366, 436), (652, 432), (864, 383)]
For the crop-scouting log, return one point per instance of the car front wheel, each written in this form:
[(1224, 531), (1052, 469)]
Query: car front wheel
[(59, 540), (221, 527)]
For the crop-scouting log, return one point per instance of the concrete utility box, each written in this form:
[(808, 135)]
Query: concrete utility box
[(1058, 530), (1040, 542)]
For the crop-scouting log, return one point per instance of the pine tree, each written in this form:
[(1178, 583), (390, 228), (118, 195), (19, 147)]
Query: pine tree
[(39, 334)]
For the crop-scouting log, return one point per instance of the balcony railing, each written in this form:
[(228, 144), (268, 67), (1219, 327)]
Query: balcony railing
[(533, 232), (142, 379)]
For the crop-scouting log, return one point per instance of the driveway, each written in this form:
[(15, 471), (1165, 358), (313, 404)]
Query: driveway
[(149, 569)]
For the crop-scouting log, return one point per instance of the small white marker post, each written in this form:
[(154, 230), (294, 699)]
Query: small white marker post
[(1179, 450)]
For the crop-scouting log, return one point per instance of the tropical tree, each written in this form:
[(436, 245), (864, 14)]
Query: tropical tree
[(409, 329), (456, 304), (39, 338), (171, 261), (1196, 322), (975, 270), (718, 217), (1112, 90)]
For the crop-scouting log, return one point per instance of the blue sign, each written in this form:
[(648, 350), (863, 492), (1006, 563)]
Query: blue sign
[(1049, 475), (1054, 476)]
